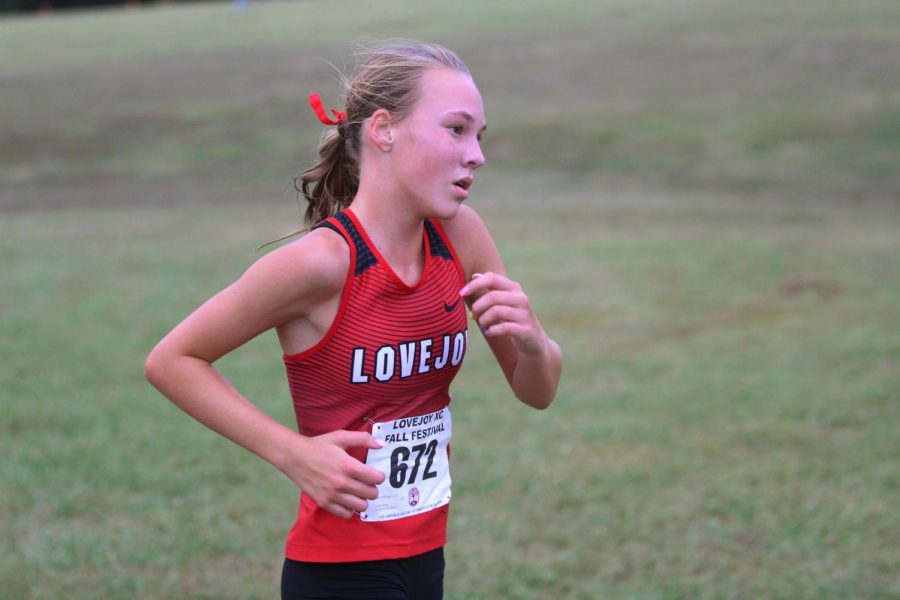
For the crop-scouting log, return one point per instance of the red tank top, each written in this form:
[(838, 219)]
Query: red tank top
[(391, 352)]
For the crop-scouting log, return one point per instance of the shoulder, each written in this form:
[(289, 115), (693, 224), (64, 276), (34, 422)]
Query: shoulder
[(321, 252), (310, 269), (472, 241), (463, 224), (288, 284)]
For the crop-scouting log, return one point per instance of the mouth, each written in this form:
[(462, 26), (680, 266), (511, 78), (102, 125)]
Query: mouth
[(464, 184)]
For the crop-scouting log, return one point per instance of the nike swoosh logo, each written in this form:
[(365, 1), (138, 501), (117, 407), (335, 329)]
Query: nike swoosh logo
[(450, 307)]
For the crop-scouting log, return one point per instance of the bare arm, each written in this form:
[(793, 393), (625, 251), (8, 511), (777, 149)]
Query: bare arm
[(530, 360), (283, 286)]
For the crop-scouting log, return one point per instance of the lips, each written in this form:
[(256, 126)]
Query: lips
[(463, 185)]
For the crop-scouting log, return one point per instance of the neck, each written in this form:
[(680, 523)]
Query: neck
[(382, 207), (397, 233)]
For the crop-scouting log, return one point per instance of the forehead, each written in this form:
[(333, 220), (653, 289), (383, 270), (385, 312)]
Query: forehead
[(445, 90)]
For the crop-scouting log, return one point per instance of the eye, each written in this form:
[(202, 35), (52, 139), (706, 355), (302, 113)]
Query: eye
[(456, 129)]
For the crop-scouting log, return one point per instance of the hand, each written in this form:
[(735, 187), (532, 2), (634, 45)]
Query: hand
[(335, 480), (502, 308)]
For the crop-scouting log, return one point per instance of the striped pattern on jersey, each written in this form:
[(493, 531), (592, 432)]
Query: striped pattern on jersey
[(391, 352)]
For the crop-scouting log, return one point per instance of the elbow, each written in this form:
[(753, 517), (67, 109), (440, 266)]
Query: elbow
[(538, 401), (540, 394), (154, 367), (544, 404)]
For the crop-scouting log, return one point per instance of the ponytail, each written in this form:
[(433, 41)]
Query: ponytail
[(330, 185)]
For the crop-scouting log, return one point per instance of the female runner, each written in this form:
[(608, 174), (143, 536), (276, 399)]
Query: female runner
[(369, 309)]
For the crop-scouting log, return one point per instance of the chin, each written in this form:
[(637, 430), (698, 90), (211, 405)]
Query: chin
[(446, 211)]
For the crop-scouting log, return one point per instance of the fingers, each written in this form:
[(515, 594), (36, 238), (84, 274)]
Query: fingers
[(500, 307), (352, 495), (353, 468), (515, 301), (503, 320), (482, 282), (347, 496), (336, 481), (363, 473), (361, 490), (344, 505), (355, 439), (339, 510)]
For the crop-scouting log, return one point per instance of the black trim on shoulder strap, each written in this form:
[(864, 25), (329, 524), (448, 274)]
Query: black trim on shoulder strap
[(436, 242), (328, 224), (364, 256)]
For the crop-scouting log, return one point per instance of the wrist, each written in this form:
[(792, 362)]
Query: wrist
[(537, 349), (287, 450)]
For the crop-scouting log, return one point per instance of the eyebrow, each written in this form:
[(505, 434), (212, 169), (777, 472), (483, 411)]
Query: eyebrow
[(469, 118)]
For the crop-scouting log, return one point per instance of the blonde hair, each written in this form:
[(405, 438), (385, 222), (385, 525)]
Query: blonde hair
[(388, 78)]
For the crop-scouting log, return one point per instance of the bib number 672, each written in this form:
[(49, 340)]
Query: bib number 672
[(400, 467)]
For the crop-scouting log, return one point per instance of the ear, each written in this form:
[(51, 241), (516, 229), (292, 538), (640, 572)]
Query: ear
[(380, 129)]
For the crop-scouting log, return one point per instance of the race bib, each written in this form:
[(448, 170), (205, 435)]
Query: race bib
[(415, 463)]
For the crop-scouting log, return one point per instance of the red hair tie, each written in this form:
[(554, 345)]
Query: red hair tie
[(316, 104)]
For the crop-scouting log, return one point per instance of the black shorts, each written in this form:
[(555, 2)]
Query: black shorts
[(418, 577)]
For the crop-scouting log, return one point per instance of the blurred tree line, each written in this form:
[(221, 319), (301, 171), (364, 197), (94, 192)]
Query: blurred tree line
[(7, 6)]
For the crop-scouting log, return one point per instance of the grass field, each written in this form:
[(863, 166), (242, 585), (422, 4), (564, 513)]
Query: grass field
[(700, 197)]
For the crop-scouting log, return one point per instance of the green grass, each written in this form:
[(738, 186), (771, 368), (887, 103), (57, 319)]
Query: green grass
[(700, 199), (74, 39), (727, 425), (800, 102)]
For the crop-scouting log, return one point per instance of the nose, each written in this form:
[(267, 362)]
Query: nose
[(474, 155)]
